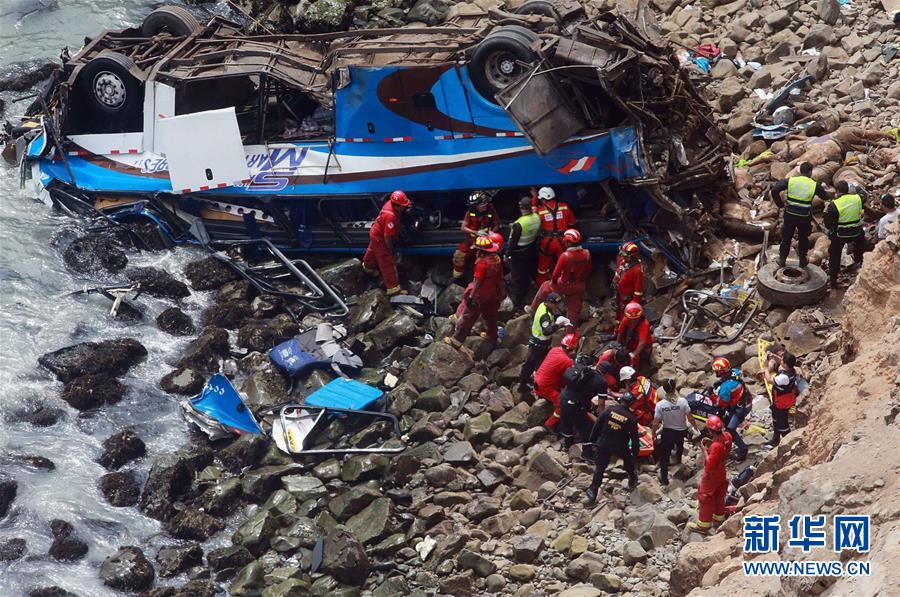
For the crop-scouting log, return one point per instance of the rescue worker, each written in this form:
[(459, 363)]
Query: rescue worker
[(610, 362), (584, 388), (843, 223), (634, 334), (569, 277), (784, 397), (480, 220), (714, 481), (645, 399), (628, 281), (733, 400), (889, 205), (556, 217), (800, 191), (488, 291), (544, 324), (674, 415), (522, 252), (382, 238), (498, 240), (626, 375), (548, 379), (612, 432)]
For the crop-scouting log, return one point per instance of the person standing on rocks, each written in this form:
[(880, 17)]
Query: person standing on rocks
[(382, 238), (556, 217), (843, 222), (634, 334), (714, 481), (674, 415), (548, 379), (544, 324), (733, 400), (480, 220), (488, 291), (614, 434), (569, 277), (890, 214), (628, 281), (800, 191), (521, 252), (584, 387)]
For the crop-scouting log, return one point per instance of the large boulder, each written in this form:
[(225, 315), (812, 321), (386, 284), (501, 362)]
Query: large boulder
[(183, 381), (256, 533), (120, 448), (352, 501), (8, 490), (392, 331), (92, 391), (344, 558), (66, 546), (175, 559), (109, 357), (220, 499), (208, 274), (12, 549), (120, 489), (233, 557), (176, 322), (374, 522), (371, 309), (346, 276), (95, 253), (170, 479), (158, 283), (263, 335), (190, 523), (438, 365), (694, 560), (127, 570), (205, 351)]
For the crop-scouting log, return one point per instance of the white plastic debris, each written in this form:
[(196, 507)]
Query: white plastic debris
[(425, 547)]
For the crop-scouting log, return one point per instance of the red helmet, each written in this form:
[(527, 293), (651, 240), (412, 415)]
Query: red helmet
[(629, 248), (484, 243), (714, 423), (721, 365), (633, 310), (400, 198), (572, 236), (497, 239), (570, 341)]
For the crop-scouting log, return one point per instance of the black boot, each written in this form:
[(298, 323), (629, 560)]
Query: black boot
[(591, 494), (632, 483), (739, 455), (663, 476)]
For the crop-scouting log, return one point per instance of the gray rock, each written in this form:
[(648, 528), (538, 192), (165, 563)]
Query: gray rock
[(608, 583), (517, 418), (372, 308), (175, 559), (222, 498), (304, 487), (258, 483), (458, 584), (499, 524), (448, 299), (633, 553), (435, 399), (482, 507), (469, 560), (127, 570), (190, 523), (588, 563), (363, 467), (778, 19), (231, 557), (478, 429), (460, 453), (352, 501), (344, 558), (257, 531), (829, 11), (438, 365), (374, 522), (250, 581), (206, 350), (183, 381), (347, 276), (527, 548), (392, 331)]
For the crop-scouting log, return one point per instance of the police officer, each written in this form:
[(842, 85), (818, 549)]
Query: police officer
[(797, 211), (843, 222), (584, 387), (521, 252), (544, 324), (611, 435), (674, 415)]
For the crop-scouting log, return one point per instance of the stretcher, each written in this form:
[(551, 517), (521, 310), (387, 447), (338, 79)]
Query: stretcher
[(762, 348), (702, 407)]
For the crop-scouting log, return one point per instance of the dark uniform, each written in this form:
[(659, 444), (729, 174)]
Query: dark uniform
[(611, 433), (522, 251), (543, 326), (582, 382), (797, 213)]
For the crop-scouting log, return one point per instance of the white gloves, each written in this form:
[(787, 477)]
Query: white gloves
[(561, 320)]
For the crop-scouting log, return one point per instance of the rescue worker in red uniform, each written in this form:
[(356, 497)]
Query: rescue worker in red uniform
[(714, 481), (634, 334), (488, 289), (628, 281), (480, 220), (556, 218), (645, 400), (382, 236), (609, 363), (569, 278), (548, 379)]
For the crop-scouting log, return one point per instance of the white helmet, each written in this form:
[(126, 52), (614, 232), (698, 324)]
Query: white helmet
[(782, 380), (546, 193), (626, 373)]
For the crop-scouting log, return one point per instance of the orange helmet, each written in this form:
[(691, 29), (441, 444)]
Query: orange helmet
[(721, 365), (484, 243), (633, 310), (570, 341), (572, 236), (400, 198), (497, 239), (629, 248), (714, 423)]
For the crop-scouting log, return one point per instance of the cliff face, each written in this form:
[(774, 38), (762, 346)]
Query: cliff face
[(846, 460)]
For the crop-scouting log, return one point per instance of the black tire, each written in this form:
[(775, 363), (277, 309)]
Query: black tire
[(494, 65), (173, 20), (544, 8), (774, 284), (108, 84)]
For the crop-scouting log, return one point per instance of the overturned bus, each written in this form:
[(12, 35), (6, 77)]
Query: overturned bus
[(218, 135)]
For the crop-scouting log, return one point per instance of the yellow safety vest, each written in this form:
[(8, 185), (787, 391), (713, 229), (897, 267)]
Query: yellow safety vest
[(849, 208), (536, 330), (800, 193), (531, 225)]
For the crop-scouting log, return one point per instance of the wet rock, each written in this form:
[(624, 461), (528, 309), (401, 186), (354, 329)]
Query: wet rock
[(373, 523), (363, 467), (33, 461), (231, 557), (176, 322), (352, 501), (12, 549), (256, 533), (372, 308), (192, 524), (66, 546), (438, 365), (158, 283), (120, 448), (39, 416), (92, 391), (95, 253), (169, 479), (127, 570), (265, 387), (177, 558), (222, 498), (250, 581), (208, 274), (344, 558), (109, 357), (204, 352), (8, 490), (325, 15), (50, 592), (258, 483), (120, 489), (347, 277), (245, 451), (263, 335), (229, 314), (25, 75), (183, 381)]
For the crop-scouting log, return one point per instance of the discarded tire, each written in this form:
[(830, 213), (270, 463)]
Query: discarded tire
[(173, 20), (501, 58), (791, 286), (108, 84), (543, 8)]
